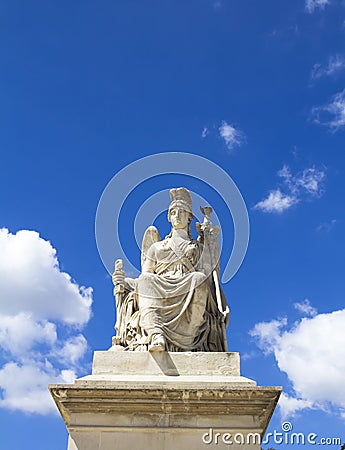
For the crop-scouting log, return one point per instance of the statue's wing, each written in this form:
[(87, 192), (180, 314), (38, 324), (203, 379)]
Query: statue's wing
[(151, 236)]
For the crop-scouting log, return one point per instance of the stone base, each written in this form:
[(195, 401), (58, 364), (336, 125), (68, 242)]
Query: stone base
[(165, 401)]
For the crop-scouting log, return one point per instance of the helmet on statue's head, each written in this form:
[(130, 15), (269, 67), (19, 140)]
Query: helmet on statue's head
[(181, 198)]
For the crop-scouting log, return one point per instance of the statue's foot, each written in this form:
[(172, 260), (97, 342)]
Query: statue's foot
[(157, 343)]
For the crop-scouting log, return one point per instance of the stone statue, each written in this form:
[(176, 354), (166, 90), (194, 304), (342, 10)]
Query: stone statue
[(176, 304)]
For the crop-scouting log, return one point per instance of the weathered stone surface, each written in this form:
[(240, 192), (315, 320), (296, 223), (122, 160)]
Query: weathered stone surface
[(166, 363), (156, 407)]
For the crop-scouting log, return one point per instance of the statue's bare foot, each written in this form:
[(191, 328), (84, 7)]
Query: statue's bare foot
[(157, 343)]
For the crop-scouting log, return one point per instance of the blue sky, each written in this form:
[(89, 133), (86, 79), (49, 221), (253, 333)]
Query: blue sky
[(86, 88)]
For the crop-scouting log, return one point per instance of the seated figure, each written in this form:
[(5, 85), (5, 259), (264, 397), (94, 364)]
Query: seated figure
[(176, 304)]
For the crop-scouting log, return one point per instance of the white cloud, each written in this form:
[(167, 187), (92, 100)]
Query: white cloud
[(205, 132), (331, 115), (232, 136), (326, 226), (72, 350), (335, 64), (286, 174), (312, 354), (310, 180), (276, 202), (305, 307), (25, 386), (20, 333), (31, 281), (307, 181), (246, 356), (289, 406), (268, 333), (304, 185), (311, 5), (41, 308)]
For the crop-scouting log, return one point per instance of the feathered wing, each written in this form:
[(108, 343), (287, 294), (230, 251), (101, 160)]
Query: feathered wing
[(151, 236)]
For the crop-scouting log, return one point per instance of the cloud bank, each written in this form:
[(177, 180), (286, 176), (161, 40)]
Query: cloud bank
[(312, 354), (41, 313)]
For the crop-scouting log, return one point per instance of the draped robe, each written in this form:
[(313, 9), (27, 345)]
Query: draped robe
[(176, 299)]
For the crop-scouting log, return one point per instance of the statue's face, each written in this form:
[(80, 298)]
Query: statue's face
[(179, 218)]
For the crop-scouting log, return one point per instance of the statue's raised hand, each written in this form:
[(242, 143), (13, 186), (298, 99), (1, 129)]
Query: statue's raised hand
[(118, 276)]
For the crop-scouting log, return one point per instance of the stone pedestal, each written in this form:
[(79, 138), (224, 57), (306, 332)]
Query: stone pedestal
[(165, 401)]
